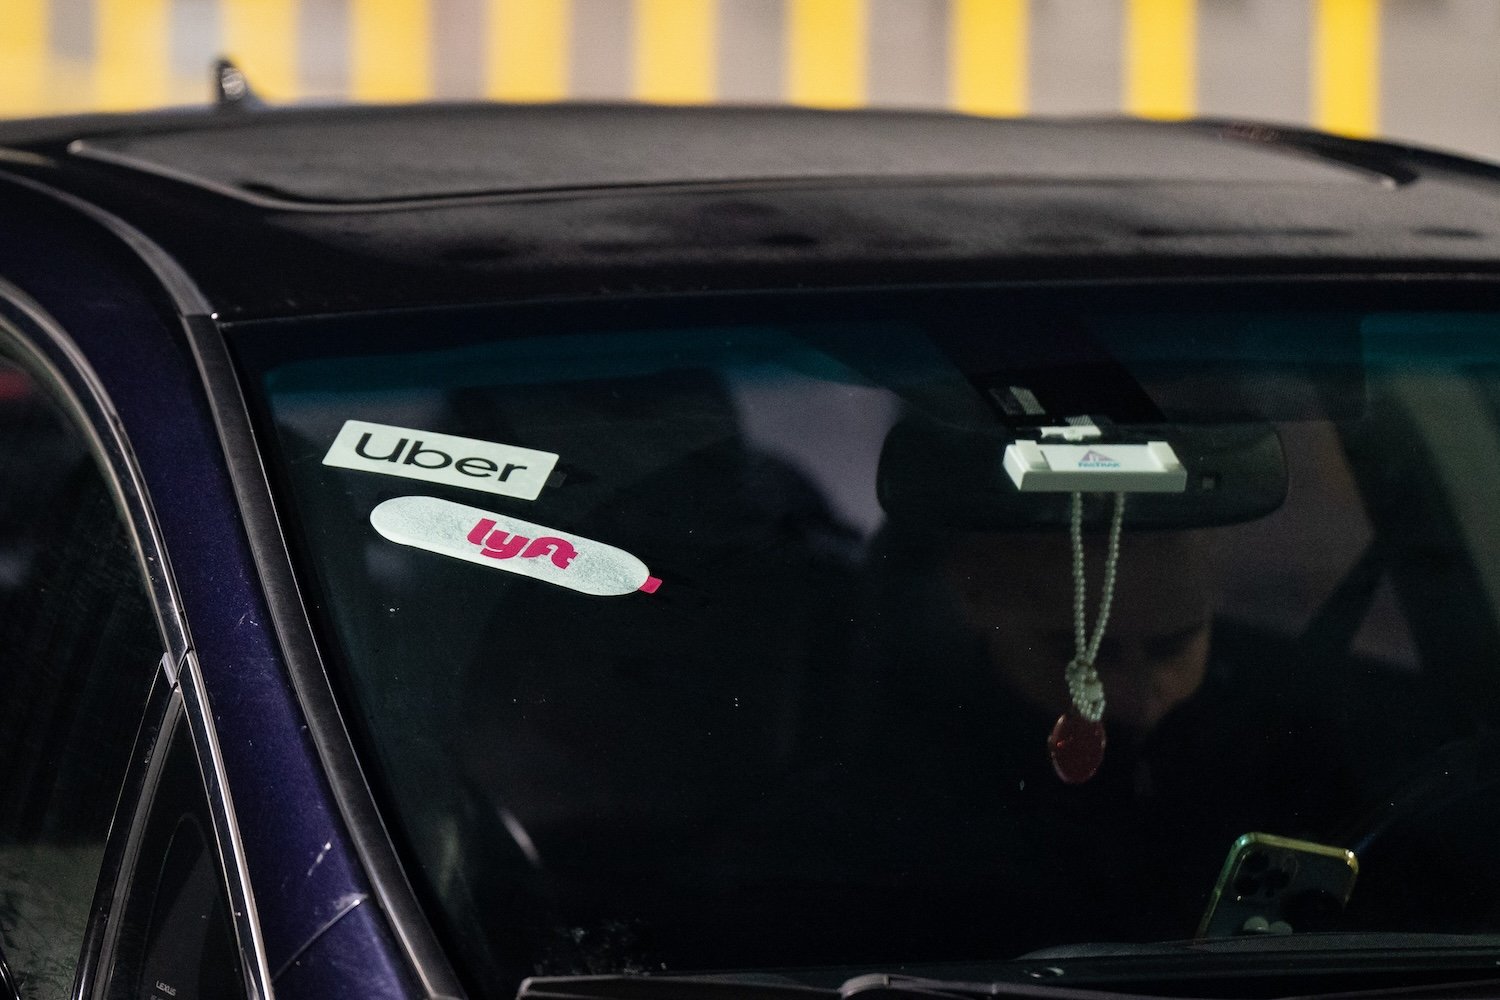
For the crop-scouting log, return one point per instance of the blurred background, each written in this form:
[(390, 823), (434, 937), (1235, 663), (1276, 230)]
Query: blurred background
[(1418, 70)]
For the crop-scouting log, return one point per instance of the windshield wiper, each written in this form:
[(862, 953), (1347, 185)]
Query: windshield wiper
[(883, 986), (751, 987), (1406, 965), (872, 986)]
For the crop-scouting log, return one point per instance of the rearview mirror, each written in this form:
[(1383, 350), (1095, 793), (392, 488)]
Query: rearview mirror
[(954, 477)]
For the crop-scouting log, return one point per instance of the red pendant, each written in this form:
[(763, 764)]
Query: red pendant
[(1076, 747)]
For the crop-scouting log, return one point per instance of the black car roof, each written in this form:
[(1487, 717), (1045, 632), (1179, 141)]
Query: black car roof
[(285, 211), (376, 155)]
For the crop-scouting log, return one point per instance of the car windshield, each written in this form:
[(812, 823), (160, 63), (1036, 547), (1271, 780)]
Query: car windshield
[(763, 631)]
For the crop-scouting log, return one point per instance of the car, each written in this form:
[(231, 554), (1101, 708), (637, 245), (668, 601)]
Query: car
[(628, 551)]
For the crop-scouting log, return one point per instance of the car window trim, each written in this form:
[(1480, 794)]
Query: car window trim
[(367, 830), (164, 711), (39, 343), (183, 706), (226, 828)]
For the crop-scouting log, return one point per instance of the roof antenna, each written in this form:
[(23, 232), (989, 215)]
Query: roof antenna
[(232, 88)]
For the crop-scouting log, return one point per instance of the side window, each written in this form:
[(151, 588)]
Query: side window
[(176, 941), (79, 647)]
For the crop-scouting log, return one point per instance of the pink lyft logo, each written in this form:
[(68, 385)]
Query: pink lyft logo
[(503, 545)]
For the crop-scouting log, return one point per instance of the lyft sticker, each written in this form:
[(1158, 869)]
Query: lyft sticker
[(441, 458), (490, 539)]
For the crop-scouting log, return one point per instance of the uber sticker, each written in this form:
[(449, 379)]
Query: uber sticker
[(490, 539), (441, 458)]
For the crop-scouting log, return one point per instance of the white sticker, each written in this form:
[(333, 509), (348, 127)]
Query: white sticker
[(489, 539), (441, 458), (1095, 468)]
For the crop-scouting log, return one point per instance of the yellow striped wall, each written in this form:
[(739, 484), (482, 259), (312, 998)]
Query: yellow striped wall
[(1312, 61)]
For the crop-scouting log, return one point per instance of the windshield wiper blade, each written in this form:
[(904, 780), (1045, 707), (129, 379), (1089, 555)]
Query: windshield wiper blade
[(871, 986), (639, 987), (1404, 964), (884, 986)]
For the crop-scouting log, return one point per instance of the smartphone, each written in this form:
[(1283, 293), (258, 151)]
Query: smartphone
[(1277, 885)]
